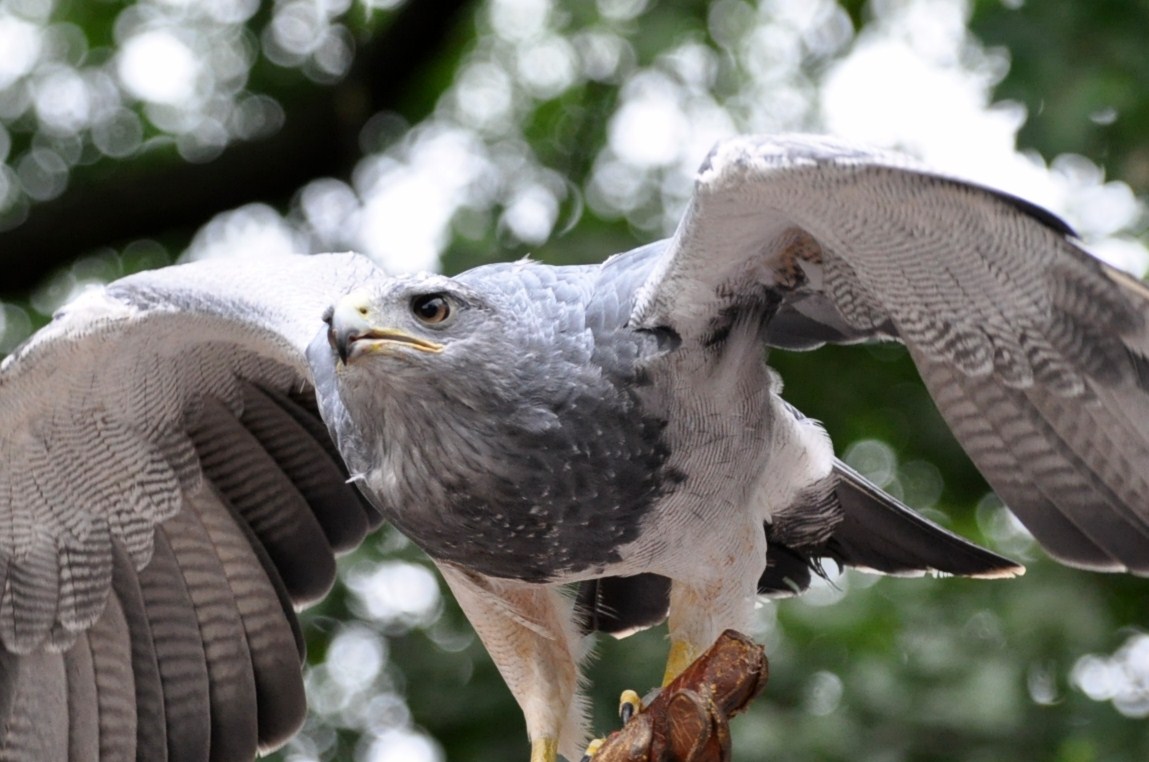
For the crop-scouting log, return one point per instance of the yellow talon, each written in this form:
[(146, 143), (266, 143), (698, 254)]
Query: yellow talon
[(629, 704), (681, 655), (545, 750), (592, 749)]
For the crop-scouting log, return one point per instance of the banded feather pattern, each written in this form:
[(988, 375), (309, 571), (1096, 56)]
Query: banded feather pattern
[(160, 442)]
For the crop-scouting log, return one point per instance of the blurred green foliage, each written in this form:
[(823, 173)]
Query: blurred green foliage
[(862, 669), (1080, 70)]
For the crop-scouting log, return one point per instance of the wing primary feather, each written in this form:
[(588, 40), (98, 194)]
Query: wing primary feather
[(267, 500), (83, 702), (10, 664), (307, 463), (110, 642), (879, 532), (38, 725), (268, 629), (230, 683), (283, 595), (301, 405), (1056, 489), (150, 717), (868, 529), (179, 655)]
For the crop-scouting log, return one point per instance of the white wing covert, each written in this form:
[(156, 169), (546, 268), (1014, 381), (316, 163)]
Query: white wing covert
[(1035, 352), (168, 494)]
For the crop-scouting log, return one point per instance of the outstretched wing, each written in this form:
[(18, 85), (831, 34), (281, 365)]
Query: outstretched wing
[(168, 495), (1036, 353)]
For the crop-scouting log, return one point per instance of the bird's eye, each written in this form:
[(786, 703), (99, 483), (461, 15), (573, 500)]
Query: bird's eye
[(431, 309)]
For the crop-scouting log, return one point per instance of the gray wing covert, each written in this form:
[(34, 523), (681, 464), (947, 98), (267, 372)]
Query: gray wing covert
[(168, 495), (1035, 352)]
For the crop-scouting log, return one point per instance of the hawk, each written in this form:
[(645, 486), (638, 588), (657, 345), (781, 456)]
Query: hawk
[(578, 449)]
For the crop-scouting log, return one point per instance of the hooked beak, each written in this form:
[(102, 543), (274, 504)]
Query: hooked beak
[(352, 333)]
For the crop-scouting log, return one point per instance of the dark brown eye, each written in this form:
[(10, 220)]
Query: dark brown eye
[(432, 309)]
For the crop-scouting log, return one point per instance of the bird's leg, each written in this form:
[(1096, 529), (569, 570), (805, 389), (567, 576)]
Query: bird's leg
[(544, 750), (683, 652), (529, 632), (703, 605)]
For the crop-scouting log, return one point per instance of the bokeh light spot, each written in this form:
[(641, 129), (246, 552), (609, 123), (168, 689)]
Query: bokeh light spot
[(396, 594), (43, 174), (158, 67), (355, 657), (119, 134), (823, 693), (403, 746), (1122, 678), (21, 42), (62, 101), (874, 459)]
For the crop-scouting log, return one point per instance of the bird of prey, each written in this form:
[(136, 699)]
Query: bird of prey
[(577, 448)]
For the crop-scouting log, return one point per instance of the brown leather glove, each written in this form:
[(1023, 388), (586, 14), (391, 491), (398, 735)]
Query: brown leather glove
[(689, 721)]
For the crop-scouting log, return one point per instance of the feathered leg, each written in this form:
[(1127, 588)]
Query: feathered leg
[(530, 633)]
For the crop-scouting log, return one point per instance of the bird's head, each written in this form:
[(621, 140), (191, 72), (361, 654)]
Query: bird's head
[(446, 367), (430, 350), (407, 324)]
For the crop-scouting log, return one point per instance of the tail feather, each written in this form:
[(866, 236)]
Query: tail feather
[(874, 531), (878, 533)]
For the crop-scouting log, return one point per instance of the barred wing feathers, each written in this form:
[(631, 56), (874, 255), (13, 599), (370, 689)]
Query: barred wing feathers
[(168, 497), (1036, 353)]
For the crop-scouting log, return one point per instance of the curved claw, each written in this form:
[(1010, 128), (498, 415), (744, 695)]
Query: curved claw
[(629, 704)]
